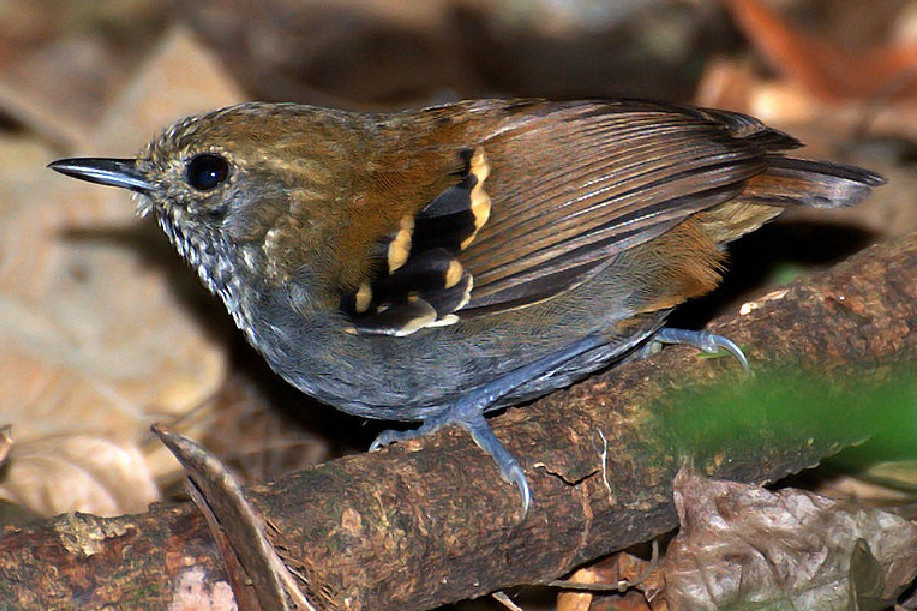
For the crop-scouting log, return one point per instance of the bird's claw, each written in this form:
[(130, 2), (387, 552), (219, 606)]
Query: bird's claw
[(702, 340)]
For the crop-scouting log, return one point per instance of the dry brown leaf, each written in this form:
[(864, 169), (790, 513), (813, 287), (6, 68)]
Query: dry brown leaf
[(57, 474), (640, 581), (744, 545), (579, 601), (95, 342)]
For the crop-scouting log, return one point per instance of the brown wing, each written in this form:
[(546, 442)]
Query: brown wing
[(546, 196), (588, 181)]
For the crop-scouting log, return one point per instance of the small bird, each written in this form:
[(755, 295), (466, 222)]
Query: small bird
[(434, 265)]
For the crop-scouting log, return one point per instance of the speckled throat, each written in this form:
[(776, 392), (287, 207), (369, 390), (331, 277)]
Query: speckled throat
[(212, 258)]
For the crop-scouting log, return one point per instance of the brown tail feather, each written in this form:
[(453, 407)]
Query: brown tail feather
[(817, 184), (787, 182)]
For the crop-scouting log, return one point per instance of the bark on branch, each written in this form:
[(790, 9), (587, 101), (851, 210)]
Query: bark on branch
[(429, 522)]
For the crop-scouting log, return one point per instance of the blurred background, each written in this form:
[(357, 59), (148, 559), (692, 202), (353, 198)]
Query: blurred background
[(102, 328)]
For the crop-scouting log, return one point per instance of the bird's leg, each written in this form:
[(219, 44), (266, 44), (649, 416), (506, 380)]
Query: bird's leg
[(468, 412), (702, 340)]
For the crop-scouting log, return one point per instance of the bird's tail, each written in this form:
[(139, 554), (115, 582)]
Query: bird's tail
[(817, 184), (788, 182)]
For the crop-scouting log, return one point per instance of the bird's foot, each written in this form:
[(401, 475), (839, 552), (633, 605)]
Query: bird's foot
[(429, 426), (476, 424), (702, 340)]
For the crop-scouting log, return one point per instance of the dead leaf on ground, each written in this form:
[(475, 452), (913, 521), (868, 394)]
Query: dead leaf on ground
[(743, 545), (642, 581)]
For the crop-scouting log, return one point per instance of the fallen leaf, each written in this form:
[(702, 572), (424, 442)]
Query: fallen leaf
[(56, 474), (744, 545)]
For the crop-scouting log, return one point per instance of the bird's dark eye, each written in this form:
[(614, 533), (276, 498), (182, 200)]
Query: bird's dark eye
[(206, 171)]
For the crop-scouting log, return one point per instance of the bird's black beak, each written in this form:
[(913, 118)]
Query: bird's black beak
[(122, 173)]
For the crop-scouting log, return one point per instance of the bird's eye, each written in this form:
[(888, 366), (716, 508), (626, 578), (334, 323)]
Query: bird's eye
[(206, 171)]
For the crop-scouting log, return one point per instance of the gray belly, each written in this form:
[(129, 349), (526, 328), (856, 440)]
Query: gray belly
[(413, 377)]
